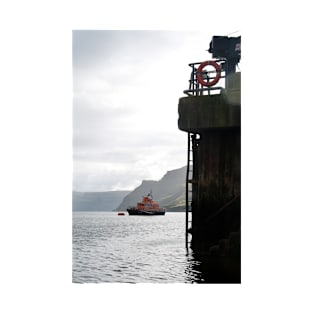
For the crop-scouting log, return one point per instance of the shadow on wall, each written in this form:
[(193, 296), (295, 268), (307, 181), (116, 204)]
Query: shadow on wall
[(221, 265)]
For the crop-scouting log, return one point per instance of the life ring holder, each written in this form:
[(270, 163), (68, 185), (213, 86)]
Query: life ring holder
[(216, 78)]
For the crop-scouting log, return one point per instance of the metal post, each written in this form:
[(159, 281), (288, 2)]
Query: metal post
[(187, 191)]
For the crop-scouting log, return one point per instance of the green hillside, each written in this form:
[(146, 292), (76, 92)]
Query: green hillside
[(169, 192)]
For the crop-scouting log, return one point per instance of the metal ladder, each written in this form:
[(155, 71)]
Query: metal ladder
[(189, 177)]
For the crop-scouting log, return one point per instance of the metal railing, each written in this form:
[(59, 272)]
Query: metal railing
[(196, 89)]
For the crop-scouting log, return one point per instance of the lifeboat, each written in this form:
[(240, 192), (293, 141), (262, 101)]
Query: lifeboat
[(146, 207)]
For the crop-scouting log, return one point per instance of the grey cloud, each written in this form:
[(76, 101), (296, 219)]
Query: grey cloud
[(100, 156), (94, 177), (120, 134), (93, 48)]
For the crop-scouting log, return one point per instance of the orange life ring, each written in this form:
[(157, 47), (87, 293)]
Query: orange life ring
[(216, 78)]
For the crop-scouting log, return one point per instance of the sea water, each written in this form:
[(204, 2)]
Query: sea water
[(108, 248)]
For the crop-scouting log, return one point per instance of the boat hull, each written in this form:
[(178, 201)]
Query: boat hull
[(144, 212)]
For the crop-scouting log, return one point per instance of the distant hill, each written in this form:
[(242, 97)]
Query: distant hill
[(169, 192), (97, 201)]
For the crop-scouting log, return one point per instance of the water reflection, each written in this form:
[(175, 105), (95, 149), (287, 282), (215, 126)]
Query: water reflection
[(204, 268), (192, 271)]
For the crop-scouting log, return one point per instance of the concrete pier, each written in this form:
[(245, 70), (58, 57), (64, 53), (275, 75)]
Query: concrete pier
[(216, 181)]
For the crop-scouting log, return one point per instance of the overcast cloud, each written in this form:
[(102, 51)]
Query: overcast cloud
[(126, 87)]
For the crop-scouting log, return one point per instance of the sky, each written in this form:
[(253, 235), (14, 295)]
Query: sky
[(126, 88)]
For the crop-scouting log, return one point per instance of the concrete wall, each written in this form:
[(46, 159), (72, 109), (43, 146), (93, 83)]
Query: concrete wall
[(198, 114), (216, 209), (217, 182)]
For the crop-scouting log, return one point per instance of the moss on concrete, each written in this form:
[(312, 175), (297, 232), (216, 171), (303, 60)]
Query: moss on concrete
[(207, 112)]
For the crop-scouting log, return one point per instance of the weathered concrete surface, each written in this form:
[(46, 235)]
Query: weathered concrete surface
[(207, 112), (216, 204), (218, 168), (234, 81), (217, 184), (233, 91)]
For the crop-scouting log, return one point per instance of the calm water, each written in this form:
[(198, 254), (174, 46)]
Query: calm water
[(131, 249)]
